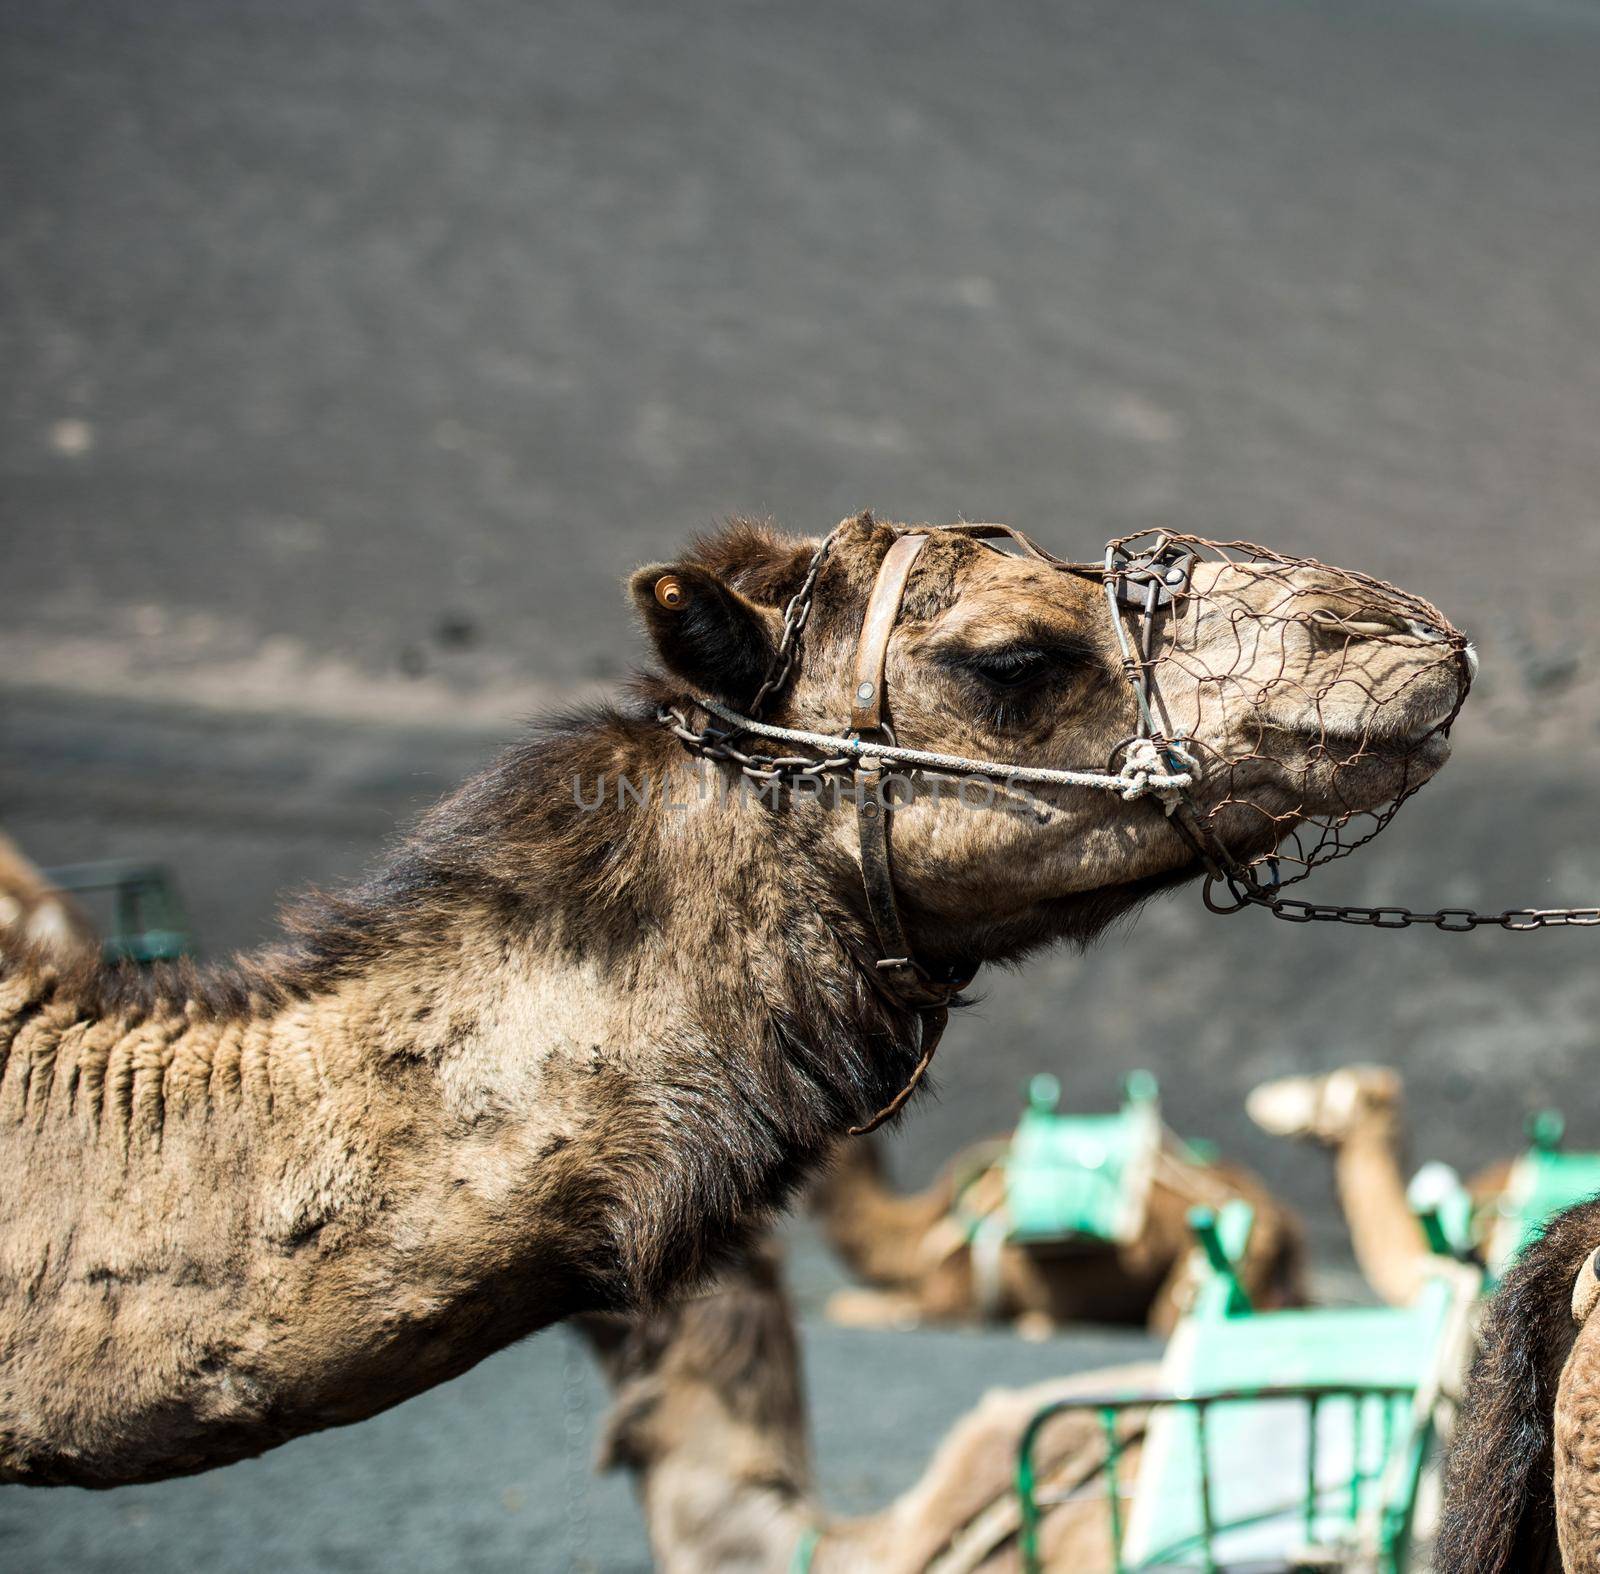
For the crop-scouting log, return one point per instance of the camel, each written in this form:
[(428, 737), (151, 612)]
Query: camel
[(922, 1266), (709, 1417), (1357, 1111), (605, 1009), (1522, 1489), (32, 912)]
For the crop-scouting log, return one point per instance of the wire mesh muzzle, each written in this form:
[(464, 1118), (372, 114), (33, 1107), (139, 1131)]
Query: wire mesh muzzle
[(1313, 700)]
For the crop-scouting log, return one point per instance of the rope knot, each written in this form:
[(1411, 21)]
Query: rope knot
[(1149, 770)]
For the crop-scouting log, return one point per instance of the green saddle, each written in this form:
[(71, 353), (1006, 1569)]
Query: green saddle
[(1321, 1443), (1081, 1177), (1274, 1440), (1545, 1181)]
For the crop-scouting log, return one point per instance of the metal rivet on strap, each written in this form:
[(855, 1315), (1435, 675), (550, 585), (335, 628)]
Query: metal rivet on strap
[(869, 811), (865, 692)]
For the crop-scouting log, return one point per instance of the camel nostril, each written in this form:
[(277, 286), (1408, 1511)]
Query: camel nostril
[(1371, 626)]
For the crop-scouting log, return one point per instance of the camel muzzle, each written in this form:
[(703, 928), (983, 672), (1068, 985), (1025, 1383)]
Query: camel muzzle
[(1235, 648)]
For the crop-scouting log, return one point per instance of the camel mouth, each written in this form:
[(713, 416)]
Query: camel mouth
[(1430, 751), (1419, 754), (1383, 731), (1429, 746)]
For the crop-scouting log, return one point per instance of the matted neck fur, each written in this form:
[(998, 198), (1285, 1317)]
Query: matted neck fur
[(551, 1059)]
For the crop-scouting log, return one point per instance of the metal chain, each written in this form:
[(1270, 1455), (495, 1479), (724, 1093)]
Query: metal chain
[(1247, 891), (795, 617), (711, 743), (1452, 920)]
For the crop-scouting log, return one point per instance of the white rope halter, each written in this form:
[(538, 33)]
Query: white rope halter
[(1145, 771)]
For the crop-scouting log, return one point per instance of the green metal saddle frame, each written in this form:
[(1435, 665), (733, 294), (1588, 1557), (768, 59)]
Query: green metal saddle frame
[(1274, 1439), (1544, 1181), (144, 922)]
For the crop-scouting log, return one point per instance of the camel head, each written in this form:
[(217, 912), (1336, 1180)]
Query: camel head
[(1328, 1109), (1309, 701)]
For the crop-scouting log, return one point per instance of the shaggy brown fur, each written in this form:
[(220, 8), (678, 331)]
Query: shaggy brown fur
[(916, 1256), (1500, 1499), (551, 1060)]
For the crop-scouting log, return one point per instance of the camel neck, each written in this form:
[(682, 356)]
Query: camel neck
[(1383, 1231), (548, 1060), (599, 849)]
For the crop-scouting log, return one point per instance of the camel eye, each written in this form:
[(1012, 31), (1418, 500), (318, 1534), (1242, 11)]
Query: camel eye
[(1014, 668)]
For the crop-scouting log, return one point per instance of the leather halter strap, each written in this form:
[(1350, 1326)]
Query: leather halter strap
[(897, 968), (898, 971), (872, 649), (900, 975), (987, 534), (995, 532)]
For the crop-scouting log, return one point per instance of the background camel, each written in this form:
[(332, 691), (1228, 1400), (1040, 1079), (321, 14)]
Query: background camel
[(1358, 1112), (921, 1265), (709, 1417), (555, 1058), (1523, 1488)]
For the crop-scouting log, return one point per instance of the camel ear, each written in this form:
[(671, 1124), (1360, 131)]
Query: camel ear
[(704, 630)]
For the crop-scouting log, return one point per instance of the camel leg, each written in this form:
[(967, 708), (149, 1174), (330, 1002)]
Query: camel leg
[(1035, 1327)]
